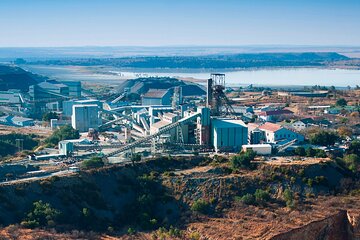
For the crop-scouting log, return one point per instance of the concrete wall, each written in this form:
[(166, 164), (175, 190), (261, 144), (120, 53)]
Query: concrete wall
[(229, 139), (85, 117)]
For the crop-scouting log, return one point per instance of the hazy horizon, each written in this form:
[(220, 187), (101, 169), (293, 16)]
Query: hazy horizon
[(41, 23)]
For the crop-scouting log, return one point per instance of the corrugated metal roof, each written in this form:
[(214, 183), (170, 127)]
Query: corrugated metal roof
[(155, 93), (272, 127), (275, 112), (160, 124), (51, 85), (227, 123)]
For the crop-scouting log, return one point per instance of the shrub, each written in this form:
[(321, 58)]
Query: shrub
[(354, 148), (131, 231), (163, 233), (242, 160), (300, 151), (310, 152), (248, 199), (94, 162), (320, 153), (200, 206), (310, 182), (135, 158), (194, 236), (261, 196), (288, 196), (63, 133), (42, 214), (50, 115), (352, 162), (292, 180)]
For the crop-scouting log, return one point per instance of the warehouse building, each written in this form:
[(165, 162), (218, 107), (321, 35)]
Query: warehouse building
[(274, 133), (157, 97), (228, 135), (74, 88), (11, 97), (68, 105), (274, 115), (259, 149)]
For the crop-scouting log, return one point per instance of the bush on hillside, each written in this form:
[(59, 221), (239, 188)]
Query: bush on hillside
[(200, 206), (42, 214), (242, 160), (94, 162), (261, 196), (352, 162), (288, 196), (248, 199)]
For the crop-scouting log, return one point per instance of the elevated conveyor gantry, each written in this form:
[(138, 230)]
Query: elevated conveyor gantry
[(163, 130)]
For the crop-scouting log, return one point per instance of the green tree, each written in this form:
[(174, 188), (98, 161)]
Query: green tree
[(63, 133), (42, 214), (320, 153), (354, 148), (248, 199), (261, 196), (352, 161), (94, 162), (242, 160), (324, 138), (300, 151), (288, 196), (310, 152), (135, 158), (50, 115), (341, 102)]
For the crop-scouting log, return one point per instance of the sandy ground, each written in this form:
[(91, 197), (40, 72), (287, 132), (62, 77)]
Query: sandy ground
[(41, 131)]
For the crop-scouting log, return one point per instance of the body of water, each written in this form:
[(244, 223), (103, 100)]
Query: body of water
[(282, 77), (267, 77)]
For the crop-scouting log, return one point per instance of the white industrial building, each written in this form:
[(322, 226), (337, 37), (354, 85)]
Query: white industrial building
[(228, 135), (260, 149), (85, 117), (68, 105), (274, 133)]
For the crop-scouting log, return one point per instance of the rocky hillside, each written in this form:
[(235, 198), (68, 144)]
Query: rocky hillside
[(201, 198), (12, 77)]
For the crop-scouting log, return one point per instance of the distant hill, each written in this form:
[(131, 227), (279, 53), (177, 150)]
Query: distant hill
[(12, 77), (252, 60), (142, 85)]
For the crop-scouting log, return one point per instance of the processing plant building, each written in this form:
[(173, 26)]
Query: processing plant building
[(228, 135), (85, 117)]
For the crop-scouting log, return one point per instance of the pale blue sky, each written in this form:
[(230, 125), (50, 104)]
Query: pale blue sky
[(178, 22)]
